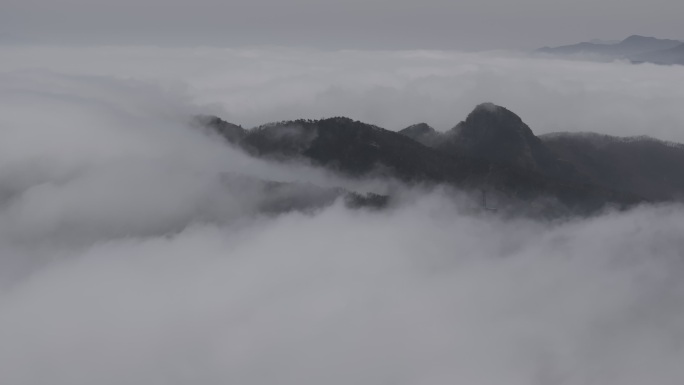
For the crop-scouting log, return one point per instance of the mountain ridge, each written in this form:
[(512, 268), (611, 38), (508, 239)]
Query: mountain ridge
[(635, 48), (641, 164), (492, 149)]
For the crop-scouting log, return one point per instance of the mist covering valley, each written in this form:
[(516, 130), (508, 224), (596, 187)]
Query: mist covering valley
[(140, 247)]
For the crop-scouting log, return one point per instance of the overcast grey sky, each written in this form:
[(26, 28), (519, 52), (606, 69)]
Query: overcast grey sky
[(358, 24)]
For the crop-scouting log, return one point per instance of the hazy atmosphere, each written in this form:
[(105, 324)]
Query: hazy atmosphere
[(328, 24), (141, 245)]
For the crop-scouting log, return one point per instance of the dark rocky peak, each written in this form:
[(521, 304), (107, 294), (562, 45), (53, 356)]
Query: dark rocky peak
[(495, 134), (424, 134), (491, 122)]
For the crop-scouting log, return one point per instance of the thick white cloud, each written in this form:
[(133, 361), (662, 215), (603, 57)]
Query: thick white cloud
[(87, 158), (131, 253), (392, 89), (420, 295)]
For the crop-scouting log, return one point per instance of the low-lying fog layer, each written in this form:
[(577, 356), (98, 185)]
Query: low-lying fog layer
[(133, 252), (390, 89)]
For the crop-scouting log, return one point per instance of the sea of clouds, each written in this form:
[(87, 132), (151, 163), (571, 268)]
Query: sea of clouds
[(392, 89), (131, 254)]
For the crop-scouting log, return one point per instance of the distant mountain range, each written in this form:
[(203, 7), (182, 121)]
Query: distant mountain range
[(492, 150), (638, 49)]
